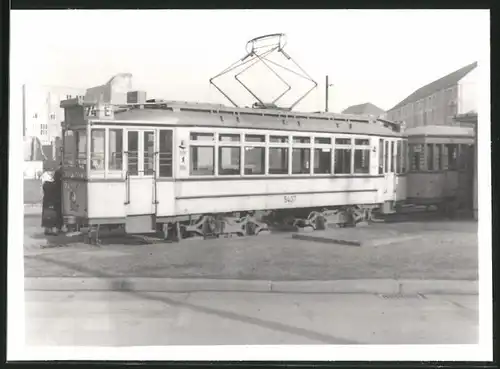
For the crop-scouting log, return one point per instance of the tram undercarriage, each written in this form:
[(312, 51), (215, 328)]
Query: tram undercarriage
[(252, 223)]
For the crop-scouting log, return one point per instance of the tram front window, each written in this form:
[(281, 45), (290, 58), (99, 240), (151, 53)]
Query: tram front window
[(81, 149), (133, 153), (97, 149)]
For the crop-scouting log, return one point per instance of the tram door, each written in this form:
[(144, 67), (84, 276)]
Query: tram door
[(389, 170), (140, 179)]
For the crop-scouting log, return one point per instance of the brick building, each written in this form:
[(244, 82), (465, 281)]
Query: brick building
[(438, 102)]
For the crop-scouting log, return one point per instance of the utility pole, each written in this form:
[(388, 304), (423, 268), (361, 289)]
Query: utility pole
[(327, 86)]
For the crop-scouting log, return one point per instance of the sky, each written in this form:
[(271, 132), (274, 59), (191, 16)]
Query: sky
[(377, 56)]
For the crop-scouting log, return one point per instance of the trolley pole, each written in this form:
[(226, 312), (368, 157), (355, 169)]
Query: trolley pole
[(326, 98)]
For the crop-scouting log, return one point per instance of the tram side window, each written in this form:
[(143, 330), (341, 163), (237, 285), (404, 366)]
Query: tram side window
[(70, 149), (405, 157), (322, 161), (97, 149), (415, 157), (361, 160), (439, 157), (399, 157), (133, 152), (165, 154), (202, 160), (278, 160), (386, 157), (148, 158), (342, 161), (81, 149), (229, 160), (380, 156), (255, 160), (452, 151), (301, 158), (115, 149), (393, 154), (430, 157)]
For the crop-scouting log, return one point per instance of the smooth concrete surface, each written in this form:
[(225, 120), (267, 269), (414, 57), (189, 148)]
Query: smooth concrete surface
[(381, 286), (208, 318)]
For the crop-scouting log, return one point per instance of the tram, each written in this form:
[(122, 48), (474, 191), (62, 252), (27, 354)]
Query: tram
[(441, 173)]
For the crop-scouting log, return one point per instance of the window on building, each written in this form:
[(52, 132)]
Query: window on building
[(342, 163), (202, 160), (322, 160), (115, 149), (430, 157), (35, 116), (148, 158), (255, 160), (52, 116), (278, 160), (68, 97), (165, 153), (452, 153), (97, 149), (381, 156), (301, 159), (416, 153), (229, 160)]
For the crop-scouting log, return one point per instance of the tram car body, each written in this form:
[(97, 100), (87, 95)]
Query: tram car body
[(441, 167), (200, 169)]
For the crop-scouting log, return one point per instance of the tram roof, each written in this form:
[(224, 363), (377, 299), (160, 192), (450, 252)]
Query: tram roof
[(217, 115), (443, 131)]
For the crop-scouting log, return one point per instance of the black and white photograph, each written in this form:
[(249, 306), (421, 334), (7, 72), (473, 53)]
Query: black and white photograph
[(249, 185)]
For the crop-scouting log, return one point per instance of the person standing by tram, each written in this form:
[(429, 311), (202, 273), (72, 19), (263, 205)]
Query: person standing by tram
[(51, 203)]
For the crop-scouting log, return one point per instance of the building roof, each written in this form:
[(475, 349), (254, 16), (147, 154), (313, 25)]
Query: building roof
[(361, 109), (438, 85)]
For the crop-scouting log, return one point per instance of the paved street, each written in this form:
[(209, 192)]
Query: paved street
[(125, 318)]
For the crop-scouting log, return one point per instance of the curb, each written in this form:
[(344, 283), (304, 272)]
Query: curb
[(370, 286)]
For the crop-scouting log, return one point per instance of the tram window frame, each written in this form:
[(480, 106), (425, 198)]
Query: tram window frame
[(361, 157), (322, 141), (399, 157), (112, 155), (81, 150), (229, 172), (304, 160), (381, 156), (340, 165), (255, 138), (452, 163), (165, 153), (301, 140), (386, 156), (429, 152), (415, 165), (133, 156), (439, 156), (70, 148), (230, 136), (322, 153), (279, 139), (283, 170), (393, 156), (404, 167), (97, 156), (194, 154), (207, 137), (262, 150), (148, 157)]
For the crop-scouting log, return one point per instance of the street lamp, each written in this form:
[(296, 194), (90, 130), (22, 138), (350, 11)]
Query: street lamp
[(327, 86)]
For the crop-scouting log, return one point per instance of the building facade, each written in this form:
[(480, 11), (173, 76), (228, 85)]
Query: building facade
[(42, 114), (440, 101)]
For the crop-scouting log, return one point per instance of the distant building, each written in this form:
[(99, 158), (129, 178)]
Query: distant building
[(42, 114), (114, 91), (364, 109), (437, 103)]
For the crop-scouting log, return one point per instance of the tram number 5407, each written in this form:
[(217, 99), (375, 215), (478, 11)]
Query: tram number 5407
[(290, 199)]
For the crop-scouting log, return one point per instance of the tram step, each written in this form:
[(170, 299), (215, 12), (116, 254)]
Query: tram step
[(140, 224)]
